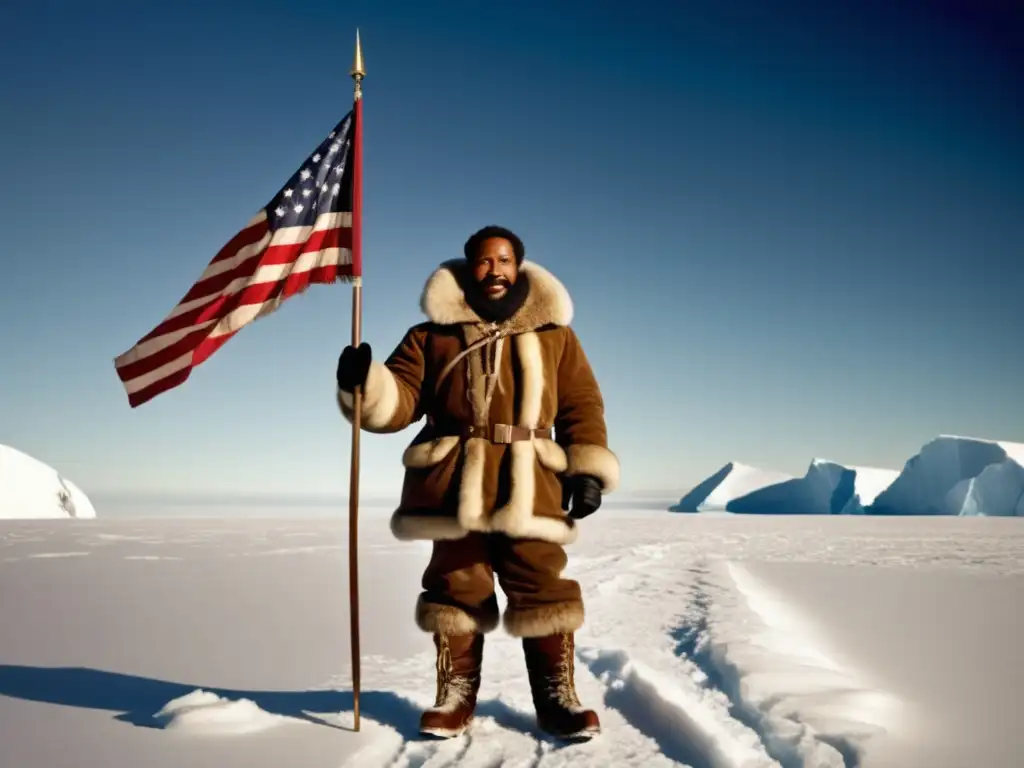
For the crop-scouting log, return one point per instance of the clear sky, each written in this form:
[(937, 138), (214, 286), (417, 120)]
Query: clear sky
[(789, 231)]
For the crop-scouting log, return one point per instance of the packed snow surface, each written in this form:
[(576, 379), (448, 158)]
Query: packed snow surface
[(712, 641), (31, 489), (203, 712), (958, 476)]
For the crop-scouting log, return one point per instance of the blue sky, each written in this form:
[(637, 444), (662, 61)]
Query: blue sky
[(788, 233)]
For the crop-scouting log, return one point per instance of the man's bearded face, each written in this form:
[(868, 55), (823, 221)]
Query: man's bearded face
[(495, 268)]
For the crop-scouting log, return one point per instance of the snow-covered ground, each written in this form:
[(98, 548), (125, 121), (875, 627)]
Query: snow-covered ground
[(711, 641)]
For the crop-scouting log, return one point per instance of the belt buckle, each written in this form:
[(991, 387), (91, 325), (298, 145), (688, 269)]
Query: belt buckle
[(502, 433)]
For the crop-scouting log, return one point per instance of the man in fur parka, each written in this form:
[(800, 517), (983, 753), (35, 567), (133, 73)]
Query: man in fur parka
[(514, 450)]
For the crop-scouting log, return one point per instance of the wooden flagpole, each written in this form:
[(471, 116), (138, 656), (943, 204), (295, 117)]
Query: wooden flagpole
[(358, 72)]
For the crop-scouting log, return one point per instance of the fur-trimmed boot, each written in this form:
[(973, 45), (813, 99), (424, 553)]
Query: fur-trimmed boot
[(459, 659), (550, 664)]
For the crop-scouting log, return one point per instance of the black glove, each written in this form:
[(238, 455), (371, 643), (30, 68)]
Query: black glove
[(585, 493), (353, 365)]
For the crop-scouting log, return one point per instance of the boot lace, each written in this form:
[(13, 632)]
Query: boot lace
[(561, 685), (452, 690)]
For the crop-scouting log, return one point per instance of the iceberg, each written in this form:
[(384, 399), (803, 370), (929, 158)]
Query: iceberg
[(731, 481), (827, 488), (953, 475), (31, 489)]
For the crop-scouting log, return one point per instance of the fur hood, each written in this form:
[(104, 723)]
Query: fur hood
[(444, 301)]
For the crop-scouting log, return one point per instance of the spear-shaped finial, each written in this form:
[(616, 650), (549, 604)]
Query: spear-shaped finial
[(358, 70)]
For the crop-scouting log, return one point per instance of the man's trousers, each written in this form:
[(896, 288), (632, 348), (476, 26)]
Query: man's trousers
[(458, 587)]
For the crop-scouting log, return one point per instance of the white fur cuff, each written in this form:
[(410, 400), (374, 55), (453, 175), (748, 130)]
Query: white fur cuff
[(380, 398), (449, 620), (545, 620), (595, 461), (406, 527)]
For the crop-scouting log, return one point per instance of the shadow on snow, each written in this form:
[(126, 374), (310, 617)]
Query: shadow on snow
[(137, 699)]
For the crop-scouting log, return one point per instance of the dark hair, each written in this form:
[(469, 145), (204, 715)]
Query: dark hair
[(472, 246)]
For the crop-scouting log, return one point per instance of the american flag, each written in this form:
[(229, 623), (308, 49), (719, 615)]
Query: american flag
[(304, 235)]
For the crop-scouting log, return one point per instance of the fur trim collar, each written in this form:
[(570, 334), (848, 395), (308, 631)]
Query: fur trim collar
[(444, 302)]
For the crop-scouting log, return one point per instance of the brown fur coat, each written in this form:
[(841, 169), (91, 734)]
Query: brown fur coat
[(529, 371)]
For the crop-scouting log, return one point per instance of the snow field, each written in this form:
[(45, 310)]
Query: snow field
[(217, 642), (669, 688), (206, 713)]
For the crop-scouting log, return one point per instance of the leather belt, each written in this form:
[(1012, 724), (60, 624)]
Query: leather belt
[(506, 433)]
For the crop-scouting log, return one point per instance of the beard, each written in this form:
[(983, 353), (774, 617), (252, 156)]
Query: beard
[(494, 281), (501, 307)]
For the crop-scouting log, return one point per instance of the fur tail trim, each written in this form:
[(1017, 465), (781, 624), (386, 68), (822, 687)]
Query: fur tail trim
[(596, 461), (545, 620), (442, 619)]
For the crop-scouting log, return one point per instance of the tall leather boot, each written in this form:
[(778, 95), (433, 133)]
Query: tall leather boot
[(550, 664), (459, 659)]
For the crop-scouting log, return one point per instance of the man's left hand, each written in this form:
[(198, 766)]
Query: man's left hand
[(584, 492)]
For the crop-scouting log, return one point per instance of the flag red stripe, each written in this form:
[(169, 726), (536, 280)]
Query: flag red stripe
[(253, 294), (203, 287), (283, 290), (251, 234), (247, 237), (206, 348), (161, 385), (274, 255)]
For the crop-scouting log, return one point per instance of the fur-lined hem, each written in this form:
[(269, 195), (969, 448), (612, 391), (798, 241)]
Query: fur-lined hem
[(544, 621), (556, 530), (413, 527), (407, 526), (551, 455), (380, 399), (429, 453), (438, 618), (595, 461)]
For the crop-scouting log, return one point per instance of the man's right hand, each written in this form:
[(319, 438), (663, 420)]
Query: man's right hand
[(353, 366)]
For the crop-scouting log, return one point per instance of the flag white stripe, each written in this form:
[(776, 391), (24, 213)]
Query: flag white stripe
[(239, 316), (245, 314), (266, 273), (243, 254), (262, 275), (152, 377), (152, 346), (283, 236)]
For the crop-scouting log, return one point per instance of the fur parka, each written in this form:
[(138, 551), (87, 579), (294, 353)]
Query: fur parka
[(456, 371)]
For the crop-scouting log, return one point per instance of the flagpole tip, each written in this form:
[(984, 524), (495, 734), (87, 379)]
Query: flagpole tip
[(358, 70)]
